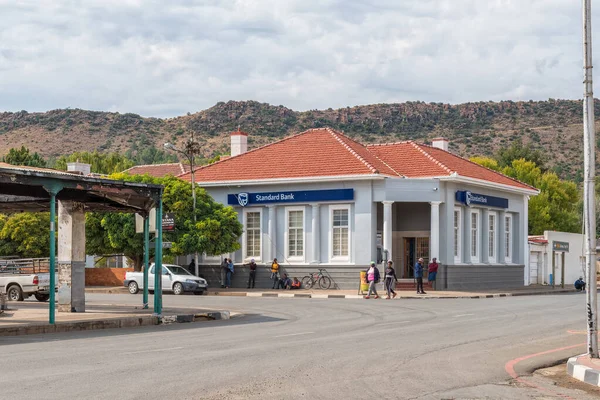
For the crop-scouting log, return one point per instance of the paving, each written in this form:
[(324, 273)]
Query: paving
[(27, 318), (289, 348), (354, 294)]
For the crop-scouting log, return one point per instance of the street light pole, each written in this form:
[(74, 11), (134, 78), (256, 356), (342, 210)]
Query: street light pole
[(589, 147), (191, 149)]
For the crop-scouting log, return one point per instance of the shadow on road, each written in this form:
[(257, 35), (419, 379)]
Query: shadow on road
[(245, 319)]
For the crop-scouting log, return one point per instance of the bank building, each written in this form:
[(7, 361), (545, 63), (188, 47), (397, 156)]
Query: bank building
[(319, 199)]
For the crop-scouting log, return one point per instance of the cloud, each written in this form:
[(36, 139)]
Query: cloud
[(164, 59)]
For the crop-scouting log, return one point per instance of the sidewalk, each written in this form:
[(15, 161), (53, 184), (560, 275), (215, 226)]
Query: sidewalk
[(352, 294), (25, 318)]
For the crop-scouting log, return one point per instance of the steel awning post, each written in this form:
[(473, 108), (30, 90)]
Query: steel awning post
[(146, 257), (52, 191), (158, 259)]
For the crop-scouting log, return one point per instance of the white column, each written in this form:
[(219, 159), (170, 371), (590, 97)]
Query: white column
[(387, 227), (71, 257), (525, 240), (271, 246), (316, 230), (434, 231)]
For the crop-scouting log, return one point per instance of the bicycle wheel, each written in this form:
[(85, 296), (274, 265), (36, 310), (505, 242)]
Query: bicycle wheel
[(324, 282), (307, 282)]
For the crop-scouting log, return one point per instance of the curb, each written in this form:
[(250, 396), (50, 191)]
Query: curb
[(127, 322), (345, 296), (583, 373)]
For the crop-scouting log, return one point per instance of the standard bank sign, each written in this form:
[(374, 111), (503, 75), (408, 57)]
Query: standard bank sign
[(470, 198), (301, 196)]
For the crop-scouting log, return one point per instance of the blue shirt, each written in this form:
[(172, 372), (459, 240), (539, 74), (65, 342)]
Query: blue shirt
[(418, 270), (230, 266)]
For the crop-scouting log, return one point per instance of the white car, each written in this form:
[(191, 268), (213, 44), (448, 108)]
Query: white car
[(175, 279)]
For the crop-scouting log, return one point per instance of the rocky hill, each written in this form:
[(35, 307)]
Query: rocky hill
[(554, 126)]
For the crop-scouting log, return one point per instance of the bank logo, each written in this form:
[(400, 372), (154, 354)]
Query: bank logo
[(243, 199), (468, 198)]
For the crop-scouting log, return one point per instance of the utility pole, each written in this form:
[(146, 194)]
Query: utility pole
[(589, 147), (190, 151)]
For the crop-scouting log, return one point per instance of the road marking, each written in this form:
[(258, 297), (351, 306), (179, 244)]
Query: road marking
[(393, 323), (577, 332), (462, 315), (153, 351), (295, 334)]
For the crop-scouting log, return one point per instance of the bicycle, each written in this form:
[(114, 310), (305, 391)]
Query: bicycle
[(323, 280)]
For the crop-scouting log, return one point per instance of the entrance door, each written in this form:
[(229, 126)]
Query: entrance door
[(415, 248), (409, 257), (533, 266)]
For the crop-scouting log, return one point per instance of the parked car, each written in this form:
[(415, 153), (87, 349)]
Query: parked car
[(18, 287), (175, 279)]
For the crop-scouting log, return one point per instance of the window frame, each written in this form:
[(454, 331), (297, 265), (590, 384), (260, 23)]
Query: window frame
[(332, 208), (457, 230), (289, 257), (492, 238), (508, 239), (245, 255), (475, 258)]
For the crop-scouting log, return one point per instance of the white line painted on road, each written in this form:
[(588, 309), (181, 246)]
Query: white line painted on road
[(393, 323), (295, 334), (153, 351), (462, 315)]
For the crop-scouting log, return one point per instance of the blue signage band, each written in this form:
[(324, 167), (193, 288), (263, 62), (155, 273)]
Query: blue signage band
[(303, 196), (469, 198)]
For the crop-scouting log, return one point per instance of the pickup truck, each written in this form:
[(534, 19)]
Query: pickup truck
[(18, 287), (175, 279)]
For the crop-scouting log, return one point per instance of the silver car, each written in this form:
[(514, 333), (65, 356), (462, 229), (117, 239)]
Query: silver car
[(175, 279)]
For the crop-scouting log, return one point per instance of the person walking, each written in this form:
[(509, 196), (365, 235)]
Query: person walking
[(390, 280), (419, 276), (229, 273), (275, 273), (373, 280), (252, 277), (224, 269), (433, 269)]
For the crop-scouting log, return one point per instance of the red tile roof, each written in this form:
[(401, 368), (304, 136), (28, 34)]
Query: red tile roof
[(159, 170), (325, 152)]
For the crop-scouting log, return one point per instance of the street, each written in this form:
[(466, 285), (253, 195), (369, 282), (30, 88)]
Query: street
[(310, 349)]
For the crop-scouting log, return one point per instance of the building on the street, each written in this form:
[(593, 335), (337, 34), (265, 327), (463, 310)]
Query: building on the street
[(568, 252), (319, 199)]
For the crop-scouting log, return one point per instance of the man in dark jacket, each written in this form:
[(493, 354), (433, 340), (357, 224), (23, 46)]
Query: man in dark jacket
[(419, 276), (252, 277), (224, 270)]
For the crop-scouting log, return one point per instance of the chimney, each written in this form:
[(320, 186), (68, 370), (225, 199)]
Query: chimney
[(80, 168), (440, 143), (239, 143)]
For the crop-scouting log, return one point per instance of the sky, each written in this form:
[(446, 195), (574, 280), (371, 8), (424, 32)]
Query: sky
[(167, 58)]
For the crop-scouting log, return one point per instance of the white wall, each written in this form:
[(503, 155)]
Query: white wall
[(573, 259)]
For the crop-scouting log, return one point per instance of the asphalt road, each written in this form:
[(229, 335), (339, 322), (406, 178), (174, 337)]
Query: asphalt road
[(308, 349)]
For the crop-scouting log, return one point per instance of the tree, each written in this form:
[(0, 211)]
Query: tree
[(25, 235), (487, 162), (22, 156), (517, 151), (556, 207), (216, 232), (100, 163)]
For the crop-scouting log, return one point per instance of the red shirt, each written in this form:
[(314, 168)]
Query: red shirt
[(433, 267)]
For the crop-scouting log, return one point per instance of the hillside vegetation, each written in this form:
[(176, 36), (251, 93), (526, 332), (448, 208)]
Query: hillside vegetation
[(553, 126)]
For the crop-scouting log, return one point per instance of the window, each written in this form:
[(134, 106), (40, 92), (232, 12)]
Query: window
[(508, 238), (457, 235), (252, 234), (295, 233), (340, 233), (475, 236), (492, 237)]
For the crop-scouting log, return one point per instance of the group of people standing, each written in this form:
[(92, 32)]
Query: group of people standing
[(373, 277), (279, 281)]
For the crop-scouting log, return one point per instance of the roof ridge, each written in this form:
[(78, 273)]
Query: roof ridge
[(250, 151), (426, 154), (489, 169), (351, 150), (387, 144)]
